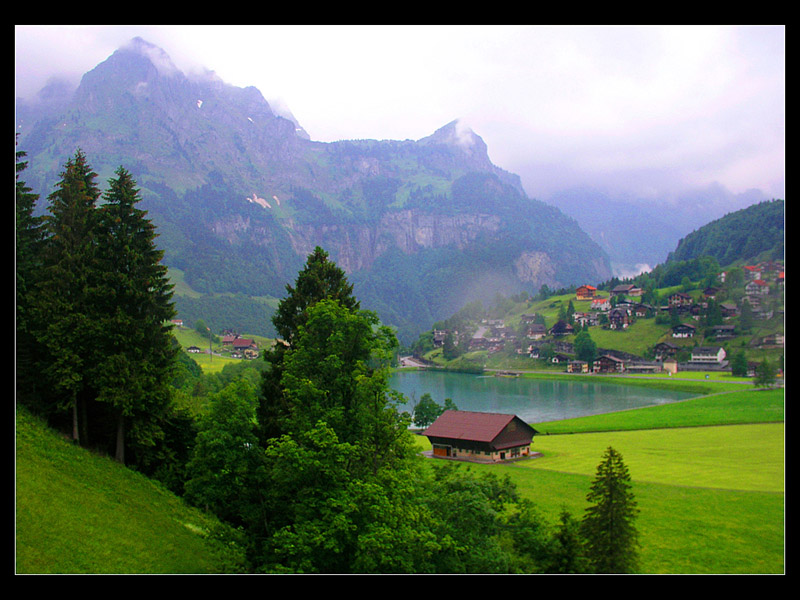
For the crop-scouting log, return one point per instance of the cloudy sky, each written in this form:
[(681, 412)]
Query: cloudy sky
[(640, 110)]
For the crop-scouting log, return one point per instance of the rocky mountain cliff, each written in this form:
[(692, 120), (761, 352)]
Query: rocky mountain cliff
[(241, 195)]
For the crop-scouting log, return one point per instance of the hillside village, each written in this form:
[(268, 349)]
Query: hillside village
[(684, 328)]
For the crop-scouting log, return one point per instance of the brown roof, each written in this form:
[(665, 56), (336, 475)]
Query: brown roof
[(473, 426)]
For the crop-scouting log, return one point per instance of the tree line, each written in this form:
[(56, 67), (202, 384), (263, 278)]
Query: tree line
[(311, 463)]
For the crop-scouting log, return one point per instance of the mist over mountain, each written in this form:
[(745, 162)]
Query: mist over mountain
[(640, 233), (240, 195)]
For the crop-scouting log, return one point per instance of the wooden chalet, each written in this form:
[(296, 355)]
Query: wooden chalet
[(683, 330), (618, 318), (479, 436), (585, 292), (664, 350), (536, 331), (680, 299), (728, 309), (626, 290), (723, 332), (242, 344), (609, 364), (561, 328)]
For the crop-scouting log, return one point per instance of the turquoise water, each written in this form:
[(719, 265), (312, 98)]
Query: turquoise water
[(532, 400)]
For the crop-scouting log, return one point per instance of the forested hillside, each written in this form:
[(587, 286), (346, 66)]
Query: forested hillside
[(739, 236)]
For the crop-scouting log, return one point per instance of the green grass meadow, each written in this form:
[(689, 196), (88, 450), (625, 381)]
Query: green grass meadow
[(81, 513), (710, 494)]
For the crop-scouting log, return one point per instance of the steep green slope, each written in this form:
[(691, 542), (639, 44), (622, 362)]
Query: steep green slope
[(741, 235), (81, 513)]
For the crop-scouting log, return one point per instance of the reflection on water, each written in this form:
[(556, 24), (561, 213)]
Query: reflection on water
[(533, 400)]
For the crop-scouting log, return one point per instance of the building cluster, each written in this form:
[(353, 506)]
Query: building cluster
[(621, 308)]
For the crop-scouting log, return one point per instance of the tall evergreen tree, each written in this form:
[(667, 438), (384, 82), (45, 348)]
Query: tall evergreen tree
[(62, 306), (29, 237), (133, 305), (608, 524)]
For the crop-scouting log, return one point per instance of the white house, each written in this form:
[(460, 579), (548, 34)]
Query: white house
[(708, 354)]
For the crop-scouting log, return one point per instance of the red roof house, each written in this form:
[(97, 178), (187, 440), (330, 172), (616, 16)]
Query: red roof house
[(480, 436)]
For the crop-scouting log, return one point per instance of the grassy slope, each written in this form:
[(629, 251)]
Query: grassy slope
[(81, 513), (711, 495)]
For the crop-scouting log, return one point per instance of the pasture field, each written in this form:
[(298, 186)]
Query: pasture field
[(708, 475), (739, 406)]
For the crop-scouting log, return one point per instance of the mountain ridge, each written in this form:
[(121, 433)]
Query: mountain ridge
[(241, 194)]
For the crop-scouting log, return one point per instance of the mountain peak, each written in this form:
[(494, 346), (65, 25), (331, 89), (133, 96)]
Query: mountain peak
[(457, 133), (157, 57)]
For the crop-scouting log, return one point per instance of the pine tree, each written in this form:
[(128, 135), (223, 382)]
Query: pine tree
[(62, 300), (133, 307), (29, 237), (608, 524)]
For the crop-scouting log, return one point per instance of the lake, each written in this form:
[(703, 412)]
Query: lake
[(532, 400)]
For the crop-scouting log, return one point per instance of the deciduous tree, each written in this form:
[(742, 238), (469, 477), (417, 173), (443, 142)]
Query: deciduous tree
[(320, 278)]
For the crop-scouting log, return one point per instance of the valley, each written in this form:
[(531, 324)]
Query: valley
[(231, 339)]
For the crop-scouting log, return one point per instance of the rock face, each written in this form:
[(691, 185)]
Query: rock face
[(241, 195)]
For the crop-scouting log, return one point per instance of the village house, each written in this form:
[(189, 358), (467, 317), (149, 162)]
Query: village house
[(723, 332), (528, 318), (752, 272), (664, 350), (536, 332), (608, 364), (757, 287), (626, 290), (438, 338), (683, 330), (618, 318), (679, 299), (585, 292), (478, 343), (774, 340), (577, 366), (670, 366), (728, 309), (708, 354), (479, 436), (583, 319), (601, 304), (643, 367), (561, 328), (241, 345), (637, 309), (560, 358)]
